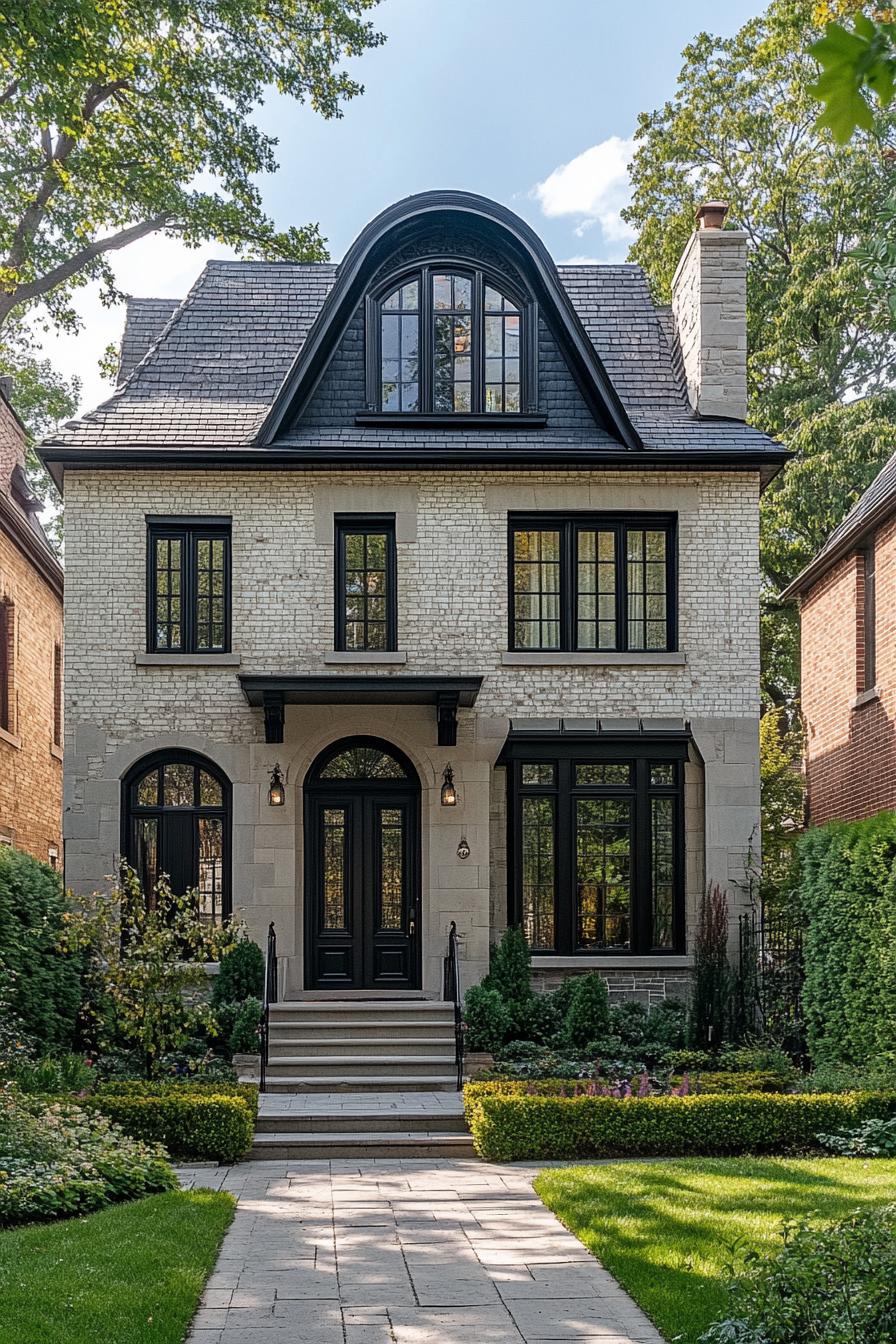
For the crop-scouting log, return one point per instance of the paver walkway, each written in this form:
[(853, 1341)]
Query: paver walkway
[(402, 1252)]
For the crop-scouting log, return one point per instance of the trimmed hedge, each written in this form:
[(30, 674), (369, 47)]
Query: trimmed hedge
[(847, 898), (510, 1126), (192, 1124), (188, 1087)]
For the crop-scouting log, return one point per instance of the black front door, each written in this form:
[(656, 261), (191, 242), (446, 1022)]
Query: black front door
[(361, 884)]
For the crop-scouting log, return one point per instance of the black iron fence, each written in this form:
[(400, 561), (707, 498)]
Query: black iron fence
[(770, 980)]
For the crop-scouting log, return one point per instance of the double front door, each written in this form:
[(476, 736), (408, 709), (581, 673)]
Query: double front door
[(362, 879)]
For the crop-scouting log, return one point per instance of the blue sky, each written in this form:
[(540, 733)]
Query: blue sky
[(530, 103)]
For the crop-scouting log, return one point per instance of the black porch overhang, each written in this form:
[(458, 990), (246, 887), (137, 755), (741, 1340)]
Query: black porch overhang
[(445, 694), (667, 738)]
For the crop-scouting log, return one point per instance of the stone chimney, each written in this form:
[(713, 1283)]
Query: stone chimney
[(709, 304)]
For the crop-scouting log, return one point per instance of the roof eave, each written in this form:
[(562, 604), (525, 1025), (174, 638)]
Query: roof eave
[(826, 559)]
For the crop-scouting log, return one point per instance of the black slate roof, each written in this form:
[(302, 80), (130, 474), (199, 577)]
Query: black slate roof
[(870, 509), (205, 372)]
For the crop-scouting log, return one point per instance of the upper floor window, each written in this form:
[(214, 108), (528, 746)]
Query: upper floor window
[(450, 341), (188, 598), (592, 583), (7, 647), (366, 609), (869, 617)]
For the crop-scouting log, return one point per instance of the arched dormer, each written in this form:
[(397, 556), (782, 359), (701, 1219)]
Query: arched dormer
[(411, 243)]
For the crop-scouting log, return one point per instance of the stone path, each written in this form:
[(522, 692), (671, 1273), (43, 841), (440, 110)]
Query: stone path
[(402, 1252)]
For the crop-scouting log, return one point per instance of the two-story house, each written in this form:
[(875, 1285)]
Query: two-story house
[(424, 587), (31, 583), (848, 660)]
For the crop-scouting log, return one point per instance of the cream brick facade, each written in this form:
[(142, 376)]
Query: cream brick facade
[(451, 529)]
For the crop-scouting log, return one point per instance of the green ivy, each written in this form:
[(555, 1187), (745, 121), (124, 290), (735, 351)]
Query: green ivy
[(848, 902)]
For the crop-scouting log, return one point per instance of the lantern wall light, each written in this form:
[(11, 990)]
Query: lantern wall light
[(449, 792), (277, 791)]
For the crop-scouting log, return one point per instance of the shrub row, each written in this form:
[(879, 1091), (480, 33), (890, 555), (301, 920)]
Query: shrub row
[(509, 1125), (189, 1087), (192, 1124)]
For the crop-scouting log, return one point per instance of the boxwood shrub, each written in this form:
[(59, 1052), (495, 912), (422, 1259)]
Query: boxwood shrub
[(510, 1124), (174, 1087), (192, 1124)]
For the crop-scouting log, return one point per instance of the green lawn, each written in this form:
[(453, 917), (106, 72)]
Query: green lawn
[(669, 1230), (129, 1274)]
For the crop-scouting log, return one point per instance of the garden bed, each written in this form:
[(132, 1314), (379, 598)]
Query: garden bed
[(133, 1274)]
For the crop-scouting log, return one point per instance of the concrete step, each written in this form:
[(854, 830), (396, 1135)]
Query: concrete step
[(402, 1121), (366, 1046), (387, 1011), (366, 1066), (376, 1082), (361, 1029), (361, 1143)]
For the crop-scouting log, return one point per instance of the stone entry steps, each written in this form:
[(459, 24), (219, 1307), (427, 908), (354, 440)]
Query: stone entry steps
[(358, 1045), (370, 1125)]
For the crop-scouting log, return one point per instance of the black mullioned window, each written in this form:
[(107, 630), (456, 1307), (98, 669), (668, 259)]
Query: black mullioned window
[(592, 583), (870, 618), (366, 608), (450, 339), (596, 845), (188, 589), (7, 628)]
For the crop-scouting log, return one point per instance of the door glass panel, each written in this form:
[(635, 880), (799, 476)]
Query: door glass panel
[(148, 789), (603, 873), (362, 763), (178, 785), (211, 867), (209, 790), (538, 872), (391, 867), (334, 868)]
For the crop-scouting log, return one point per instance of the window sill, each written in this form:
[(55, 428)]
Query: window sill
[(865, 698), (187, 659), (453, 420), (56, 751), (352, 657), (649, 962), (10, 739), (570, 659)]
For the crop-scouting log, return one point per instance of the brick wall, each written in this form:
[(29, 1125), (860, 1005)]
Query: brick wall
[(851, 739), (30, 763)]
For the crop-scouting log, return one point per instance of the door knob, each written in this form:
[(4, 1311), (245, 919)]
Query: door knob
[(411, 927)]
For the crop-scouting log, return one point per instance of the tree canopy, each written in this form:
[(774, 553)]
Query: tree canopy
[(742, 126), (122, 118)]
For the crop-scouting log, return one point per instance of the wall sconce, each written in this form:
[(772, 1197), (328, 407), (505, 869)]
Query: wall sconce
[(277, 791), (463, 849), (449, 792)]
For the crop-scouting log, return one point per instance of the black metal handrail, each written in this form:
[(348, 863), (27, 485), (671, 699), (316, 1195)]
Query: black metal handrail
[(451, 994), (270, 996)]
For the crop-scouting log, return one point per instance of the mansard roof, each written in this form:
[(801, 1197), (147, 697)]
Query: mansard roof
[(225, 375)]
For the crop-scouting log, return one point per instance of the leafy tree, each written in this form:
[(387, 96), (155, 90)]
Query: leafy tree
[(122, 119), (145, 956), (854, 58), (742, 126), (41, 398), (783, 789)]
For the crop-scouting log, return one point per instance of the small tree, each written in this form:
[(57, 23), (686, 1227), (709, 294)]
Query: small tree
[(712, 973), (141, 954), (588, 1015)]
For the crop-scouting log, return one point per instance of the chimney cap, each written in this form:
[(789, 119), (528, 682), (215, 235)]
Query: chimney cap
[(711, 214)]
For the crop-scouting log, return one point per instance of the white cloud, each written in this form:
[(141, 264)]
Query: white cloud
[(593, 188), (155, 267)]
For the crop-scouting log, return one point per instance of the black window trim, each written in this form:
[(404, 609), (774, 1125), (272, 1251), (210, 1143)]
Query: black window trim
[(131, 809), (569, 524), (565, 754), (188, 528), (344, 524), (869, 615), (482, 275)]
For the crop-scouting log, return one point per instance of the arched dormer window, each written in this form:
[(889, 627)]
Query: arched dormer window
[(447, 339)]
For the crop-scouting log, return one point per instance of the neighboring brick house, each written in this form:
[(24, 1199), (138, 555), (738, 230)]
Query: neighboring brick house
[(30, 658), (422, 588), (847, 598)]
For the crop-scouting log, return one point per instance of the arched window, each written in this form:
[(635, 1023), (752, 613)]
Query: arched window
[(177, 821), (450, 341)]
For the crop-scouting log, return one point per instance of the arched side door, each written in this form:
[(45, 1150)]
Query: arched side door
[(362, 868)]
